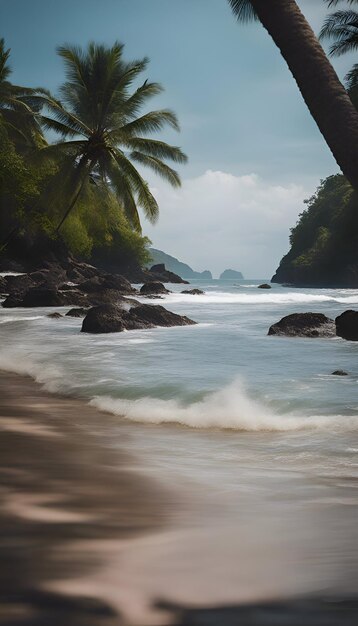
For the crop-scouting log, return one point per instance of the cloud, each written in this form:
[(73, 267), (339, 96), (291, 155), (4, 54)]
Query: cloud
[(218, 220)]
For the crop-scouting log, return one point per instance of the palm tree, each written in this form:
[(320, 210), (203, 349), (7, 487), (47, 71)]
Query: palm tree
[(325, 96), (342, 27), (102, 133), (17, 116)]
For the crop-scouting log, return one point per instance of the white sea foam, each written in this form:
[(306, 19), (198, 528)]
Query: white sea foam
[(228, 408), (264, 297), (6, 319), (50, 376)]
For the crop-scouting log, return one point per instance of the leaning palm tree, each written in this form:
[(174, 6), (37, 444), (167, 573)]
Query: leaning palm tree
[(102, 132), (325, 96), (17, 116)]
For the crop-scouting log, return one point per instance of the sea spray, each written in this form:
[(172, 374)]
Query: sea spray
[(229, 408)]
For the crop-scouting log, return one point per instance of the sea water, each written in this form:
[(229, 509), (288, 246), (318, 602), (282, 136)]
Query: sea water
[(255, 426)]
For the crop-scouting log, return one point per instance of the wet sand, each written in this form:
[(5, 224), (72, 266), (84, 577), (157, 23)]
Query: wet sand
[(84, 532), (63, 492)]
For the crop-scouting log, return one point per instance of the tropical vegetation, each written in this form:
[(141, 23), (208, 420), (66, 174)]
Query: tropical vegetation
[(86, 182), (324, 241)]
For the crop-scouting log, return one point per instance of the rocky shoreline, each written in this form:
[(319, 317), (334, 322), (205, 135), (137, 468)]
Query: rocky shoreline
[(104, 299)]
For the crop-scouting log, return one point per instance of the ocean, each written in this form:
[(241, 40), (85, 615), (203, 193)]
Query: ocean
[(255, 427)]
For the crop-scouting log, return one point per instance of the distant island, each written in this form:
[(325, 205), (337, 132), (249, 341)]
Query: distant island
[(232, 274), (174, 265)]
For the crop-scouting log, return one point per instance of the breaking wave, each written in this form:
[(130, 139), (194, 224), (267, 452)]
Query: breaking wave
[(264, 297), (229, 408)]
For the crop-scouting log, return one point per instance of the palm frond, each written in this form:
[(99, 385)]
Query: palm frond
[(160, 168), (144, 197), (342, 26), (158, 149), (124, 194), (243, 10), (151, 122)]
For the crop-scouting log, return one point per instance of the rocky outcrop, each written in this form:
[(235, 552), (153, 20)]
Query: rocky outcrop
[(173, 265), (3, 285), (339, 373), (194, 292), (77, 312), (106, 318), (110, 318), (347, 325), (160, 273), (153, 288), (231, 274), (264, 286), (304, 325)]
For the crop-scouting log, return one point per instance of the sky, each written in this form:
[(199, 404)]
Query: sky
[(254, 151)]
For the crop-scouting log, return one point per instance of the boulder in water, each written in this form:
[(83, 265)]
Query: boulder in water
[(304, 325), (347, 325), (264, 286), (154, 287), (194, 292)]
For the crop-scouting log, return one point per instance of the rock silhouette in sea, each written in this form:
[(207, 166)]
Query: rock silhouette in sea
[(111, 318), (347, 325), (264, 286), (194, 292), (304, 325), (153, 288)]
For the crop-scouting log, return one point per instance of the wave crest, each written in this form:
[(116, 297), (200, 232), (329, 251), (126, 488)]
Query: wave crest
[(229, 408)]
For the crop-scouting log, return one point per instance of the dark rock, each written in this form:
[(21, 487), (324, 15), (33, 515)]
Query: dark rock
[(49, 277), (106, 318), (155, 315), (153, 288), (54, 315), (264, 286), (12, 301), (78, 272), (79, 312), (74, 297), (159, 267), (9, 265), (42, 296), (19, 284), (91, 285), (347, 325), (68, 286), (110, 318), (116, 281), (194, 292), (3, 285), (159, 272), (304, 325), (339, 373)]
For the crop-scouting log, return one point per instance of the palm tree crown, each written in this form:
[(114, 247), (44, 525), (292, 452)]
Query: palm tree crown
[(342, 27), (102, 131), (16, 113)]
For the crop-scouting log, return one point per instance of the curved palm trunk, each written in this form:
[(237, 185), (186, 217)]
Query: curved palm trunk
[(325, 96)]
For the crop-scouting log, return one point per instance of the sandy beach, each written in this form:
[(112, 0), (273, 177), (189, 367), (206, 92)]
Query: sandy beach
[(73, 507), (60, 488)]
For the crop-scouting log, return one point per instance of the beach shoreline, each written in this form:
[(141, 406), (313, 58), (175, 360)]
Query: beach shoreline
[(62, 487), (89, 540)]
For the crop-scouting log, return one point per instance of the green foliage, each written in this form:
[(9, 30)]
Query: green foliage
[(102, 132), (324, 242)]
